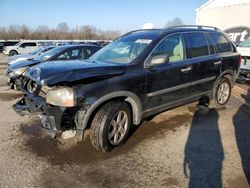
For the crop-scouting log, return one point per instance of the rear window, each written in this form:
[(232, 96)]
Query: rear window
[(198, 44), (222, 43)]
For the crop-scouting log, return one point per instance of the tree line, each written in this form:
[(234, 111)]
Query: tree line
[(61, 32)]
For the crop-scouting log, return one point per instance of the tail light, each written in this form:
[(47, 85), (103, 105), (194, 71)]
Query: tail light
[(241, 59)]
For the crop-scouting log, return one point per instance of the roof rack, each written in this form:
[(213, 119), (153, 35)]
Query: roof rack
[(194, 26)]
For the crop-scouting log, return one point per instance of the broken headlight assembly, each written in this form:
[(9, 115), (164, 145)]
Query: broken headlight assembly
[(19, 72), (61, 97)]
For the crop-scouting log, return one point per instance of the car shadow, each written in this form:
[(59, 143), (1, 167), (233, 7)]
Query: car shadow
[(204, 151), (60, 152), (242, 134)]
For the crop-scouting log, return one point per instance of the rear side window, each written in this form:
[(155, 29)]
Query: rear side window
[(222, 43), (198, 44), (28, 44), (210, 44), (89, 51)]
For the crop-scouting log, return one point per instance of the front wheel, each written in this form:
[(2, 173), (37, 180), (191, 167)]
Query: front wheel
[(12, 53), (221, 93), (110, 126)]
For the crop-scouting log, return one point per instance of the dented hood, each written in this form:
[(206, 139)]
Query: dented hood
[(55, 72)]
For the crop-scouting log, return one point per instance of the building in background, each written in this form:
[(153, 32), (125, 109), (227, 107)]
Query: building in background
[(232, 16)]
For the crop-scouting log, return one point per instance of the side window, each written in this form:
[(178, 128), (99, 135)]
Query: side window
[(69, 55), (198, 44), (90, 51), (28, 44), (173, 47), (210, 44), (222, 43), (23, 45), (31, 44)]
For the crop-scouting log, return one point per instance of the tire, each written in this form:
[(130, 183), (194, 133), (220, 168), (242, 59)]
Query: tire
[(221, 93), (12, 53), (102, 129)]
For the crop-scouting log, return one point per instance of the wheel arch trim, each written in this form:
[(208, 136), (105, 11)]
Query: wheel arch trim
[(130, 97)]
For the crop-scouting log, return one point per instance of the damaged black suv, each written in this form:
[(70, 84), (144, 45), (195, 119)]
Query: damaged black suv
[(141, 74)]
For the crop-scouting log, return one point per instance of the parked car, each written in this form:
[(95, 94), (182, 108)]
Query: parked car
[(139, 75), (23, 47), (63, 53), (7, 43), (31, 55), (244, 50)]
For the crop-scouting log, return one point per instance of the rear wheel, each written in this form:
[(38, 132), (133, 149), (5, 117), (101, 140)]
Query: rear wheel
[(110, 126), (12, 52), (221, 93)]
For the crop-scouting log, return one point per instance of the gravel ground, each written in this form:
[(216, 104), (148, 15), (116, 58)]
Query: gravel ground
[(189, 146)]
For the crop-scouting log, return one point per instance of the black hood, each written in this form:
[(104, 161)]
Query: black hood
[(24, 63), (54, 72)]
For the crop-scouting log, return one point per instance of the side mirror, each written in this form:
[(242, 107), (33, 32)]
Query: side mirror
[(159, 59)]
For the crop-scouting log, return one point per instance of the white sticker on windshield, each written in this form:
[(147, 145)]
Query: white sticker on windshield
[(146, 41)]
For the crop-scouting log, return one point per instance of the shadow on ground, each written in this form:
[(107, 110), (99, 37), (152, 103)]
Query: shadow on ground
[(59, 152), (204, 151), (242, 134)]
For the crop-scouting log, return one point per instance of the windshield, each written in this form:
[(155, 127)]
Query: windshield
[(123, 50), (245, 44), (17, 44), (48, 54)]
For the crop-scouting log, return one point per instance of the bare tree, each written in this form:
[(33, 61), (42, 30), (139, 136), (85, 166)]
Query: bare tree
[(62, 31), (174, 22)]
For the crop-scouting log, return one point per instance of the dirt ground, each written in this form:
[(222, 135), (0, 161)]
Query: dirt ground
[(184, 147)]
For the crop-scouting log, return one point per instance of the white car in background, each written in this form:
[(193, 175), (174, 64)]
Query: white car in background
[(31, 55), (23, 47), (244, 50)]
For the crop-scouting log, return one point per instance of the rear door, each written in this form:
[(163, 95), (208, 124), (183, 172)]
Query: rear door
[(229, 56), (205, 62), (168, 82)]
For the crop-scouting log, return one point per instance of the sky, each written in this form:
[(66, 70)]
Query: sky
[(120, 15)]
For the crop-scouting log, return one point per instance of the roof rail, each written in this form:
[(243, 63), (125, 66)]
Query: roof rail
[(194, 26)]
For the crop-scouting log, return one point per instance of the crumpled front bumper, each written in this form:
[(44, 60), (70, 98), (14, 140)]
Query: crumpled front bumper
[(51, 116)]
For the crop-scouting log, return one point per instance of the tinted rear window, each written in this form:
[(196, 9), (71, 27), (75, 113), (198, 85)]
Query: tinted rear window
[(222, 43), (198, 44)]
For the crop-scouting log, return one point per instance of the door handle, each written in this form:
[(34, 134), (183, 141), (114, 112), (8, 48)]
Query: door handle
[(186, 69), (217, 62)]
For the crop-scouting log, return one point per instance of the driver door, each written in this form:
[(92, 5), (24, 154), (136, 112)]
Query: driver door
[(169, 74)]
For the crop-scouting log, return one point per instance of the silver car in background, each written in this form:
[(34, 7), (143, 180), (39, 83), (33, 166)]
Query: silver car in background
[(31, 55), (244, 50)]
